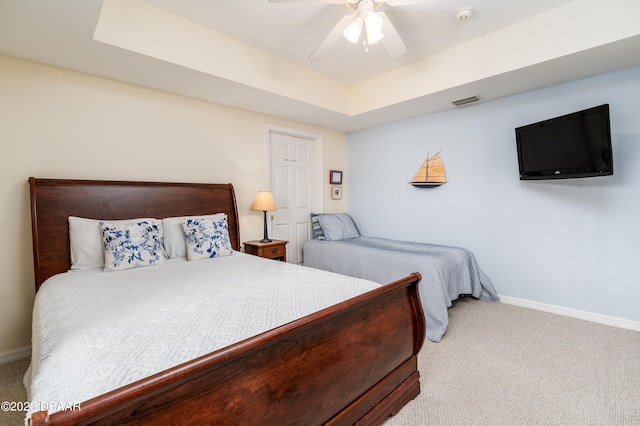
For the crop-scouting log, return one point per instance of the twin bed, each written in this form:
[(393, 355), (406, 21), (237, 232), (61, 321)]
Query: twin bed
[(447, 272), (234, 339)]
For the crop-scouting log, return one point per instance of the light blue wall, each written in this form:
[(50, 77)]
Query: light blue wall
[(571, 243)]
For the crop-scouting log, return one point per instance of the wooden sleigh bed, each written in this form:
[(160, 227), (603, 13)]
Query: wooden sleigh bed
[(351, 363)]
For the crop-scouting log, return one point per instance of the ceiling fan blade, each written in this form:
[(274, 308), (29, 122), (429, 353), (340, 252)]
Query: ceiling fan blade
[(391, 39), (331, 39)]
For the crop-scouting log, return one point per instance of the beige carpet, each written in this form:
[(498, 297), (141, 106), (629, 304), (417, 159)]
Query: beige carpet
[(500, 364), (12, 390)]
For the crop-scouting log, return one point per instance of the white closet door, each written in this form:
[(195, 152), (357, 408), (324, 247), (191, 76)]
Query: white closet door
[(293, 184)]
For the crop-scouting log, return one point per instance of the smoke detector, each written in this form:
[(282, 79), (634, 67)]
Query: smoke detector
[(464, 14)]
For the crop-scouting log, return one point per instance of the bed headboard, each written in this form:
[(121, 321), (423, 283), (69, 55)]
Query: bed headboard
[(54, 200)]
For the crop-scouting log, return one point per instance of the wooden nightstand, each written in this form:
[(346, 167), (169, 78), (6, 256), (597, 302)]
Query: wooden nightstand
[(276, 249)]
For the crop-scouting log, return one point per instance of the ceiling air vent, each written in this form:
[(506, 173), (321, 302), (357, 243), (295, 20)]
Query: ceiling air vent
[(466, 101)]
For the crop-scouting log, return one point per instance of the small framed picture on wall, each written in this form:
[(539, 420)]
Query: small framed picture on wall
[(336, 193), (335, 177)]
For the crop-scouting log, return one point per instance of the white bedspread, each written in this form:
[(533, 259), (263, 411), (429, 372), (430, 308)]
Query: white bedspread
[(95, 331)]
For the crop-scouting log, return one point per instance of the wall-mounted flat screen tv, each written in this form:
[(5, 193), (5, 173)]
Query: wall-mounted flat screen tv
[(571, 146)]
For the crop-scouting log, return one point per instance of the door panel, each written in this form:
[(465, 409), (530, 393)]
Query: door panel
[(280, 185), (302, 188)]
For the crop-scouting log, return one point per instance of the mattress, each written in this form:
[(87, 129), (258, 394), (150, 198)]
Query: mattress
[(447, 272), (95, 331)]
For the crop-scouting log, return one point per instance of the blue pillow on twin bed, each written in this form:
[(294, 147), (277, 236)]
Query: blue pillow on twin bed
[(132, 245), (206, 237), (338, 226)]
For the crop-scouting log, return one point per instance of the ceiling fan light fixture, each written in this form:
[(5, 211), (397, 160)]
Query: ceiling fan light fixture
[(365, 19), (373, 23), (374, 36), (353, 30)]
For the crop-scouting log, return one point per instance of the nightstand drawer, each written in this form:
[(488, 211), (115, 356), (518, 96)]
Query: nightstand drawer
[(275, 249)]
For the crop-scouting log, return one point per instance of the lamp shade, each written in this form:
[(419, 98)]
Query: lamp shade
[(264, 202)]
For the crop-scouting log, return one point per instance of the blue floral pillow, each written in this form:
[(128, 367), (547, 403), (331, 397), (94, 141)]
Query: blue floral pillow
[(132, 245), (207, 237)]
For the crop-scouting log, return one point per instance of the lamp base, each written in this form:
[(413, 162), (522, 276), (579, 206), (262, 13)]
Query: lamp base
[(265, 239)]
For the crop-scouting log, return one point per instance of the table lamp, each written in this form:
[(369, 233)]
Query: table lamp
[(264, 201)]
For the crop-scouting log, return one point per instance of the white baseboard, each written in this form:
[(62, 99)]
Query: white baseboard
[(15, 355), (588, 316)]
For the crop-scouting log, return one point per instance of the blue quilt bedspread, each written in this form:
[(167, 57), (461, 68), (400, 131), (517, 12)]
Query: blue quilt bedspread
[(447, 272)]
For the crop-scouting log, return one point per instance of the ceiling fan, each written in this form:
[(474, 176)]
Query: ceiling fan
[(376, 25)]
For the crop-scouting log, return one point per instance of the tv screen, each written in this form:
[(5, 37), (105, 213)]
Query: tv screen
[(571, 146)]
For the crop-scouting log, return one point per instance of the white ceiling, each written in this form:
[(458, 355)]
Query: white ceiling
[(355, 89), (293, 30)]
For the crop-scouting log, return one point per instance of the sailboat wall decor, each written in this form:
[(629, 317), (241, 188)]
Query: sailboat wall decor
[(430, 174)]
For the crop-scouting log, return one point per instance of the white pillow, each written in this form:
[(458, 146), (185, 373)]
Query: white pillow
[(175, 243), (206, 238), (132, 245), (85, 242)]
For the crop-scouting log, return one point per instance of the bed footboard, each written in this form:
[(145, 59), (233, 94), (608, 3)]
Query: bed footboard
[(354, 362)]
